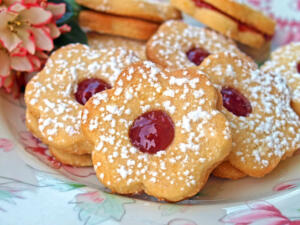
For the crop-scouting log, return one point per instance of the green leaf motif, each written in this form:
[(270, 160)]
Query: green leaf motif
[(96, 207), (58, 184)]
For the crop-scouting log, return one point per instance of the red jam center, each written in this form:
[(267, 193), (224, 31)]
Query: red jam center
[(152, 132), (197, 55), (87, 88), (298, 67), (235, 102)]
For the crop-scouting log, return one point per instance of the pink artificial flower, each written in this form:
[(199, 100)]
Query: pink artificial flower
[(258, 213), (24, 26), (18, 60)]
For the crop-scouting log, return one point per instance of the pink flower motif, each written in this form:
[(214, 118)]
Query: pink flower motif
[(287, 185), (35, 147), (6, 145), (90, 197), (258, 213)]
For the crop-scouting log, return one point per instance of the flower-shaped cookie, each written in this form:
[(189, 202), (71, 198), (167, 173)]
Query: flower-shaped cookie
[(55, 97), (286, 62), (157, 132), (177, 45), (264, 127)]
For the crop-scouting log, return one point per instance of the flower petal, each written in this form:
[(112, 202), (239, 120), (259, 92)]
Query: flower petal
[(9, 40), (42, 39), (64, 28), (17, 7), (58, 10), (21, 63), (27, 40), (4, 64), (36, 62), (54, 31), (37, 16)]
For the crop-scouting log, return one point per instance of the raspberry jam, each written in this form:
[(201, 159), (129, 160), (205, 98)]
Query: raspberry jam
[(197, 55), (87, 88), (202, 4), (235, 102), (298, 67), (152, 132)]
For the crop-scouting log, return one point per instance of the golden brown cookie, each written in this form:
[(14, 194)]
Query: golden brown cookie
[(117, 25), (231, 18), (226, 170), (286, 61), (100, 41), (55, 96), (264, 127), (153, 10), (258, 55), (71, 159), (162, 135), (177, 45)]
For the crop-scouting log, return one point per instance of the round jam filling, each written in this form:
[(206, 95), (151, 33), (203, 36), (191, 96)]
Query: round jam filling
[(152, 132), (298, 67), (235, 102), (87, 88), (197, 55)]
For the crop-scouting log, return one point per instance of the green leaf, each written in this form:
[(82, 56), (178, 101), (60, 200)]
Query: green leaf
[(76, 35)]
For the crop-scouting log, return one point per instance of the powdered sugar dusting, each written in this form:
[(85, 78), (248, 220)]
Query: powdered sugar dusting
[(272, 131), (169, 45), (50, 94), (151, 88)]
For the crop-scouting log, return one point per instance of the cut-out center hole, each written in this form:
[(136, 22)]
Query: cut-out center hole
[(152, 132), (87, 88), (197, 55), (235, 102), (298, 67)]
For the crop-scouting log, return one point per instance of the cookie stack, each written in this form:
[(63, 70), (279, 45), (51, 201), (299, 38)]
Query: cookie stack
[(251, 28), (197, 106), (137, 19)]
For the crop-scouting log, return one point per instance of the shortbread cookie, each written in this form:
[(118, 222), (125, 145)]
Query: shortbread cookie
[(100, 41), (258, 55), (231, 18), (157, 132), (153, 10), (286, 61), (226, 170), (117, 25), (71, 159), (177, 45), (79, 159), (264, 127), (55, 96)]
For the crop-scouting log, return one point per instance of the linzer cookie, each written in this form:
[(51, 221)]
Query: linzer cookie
[(153, 10), (100, 41), (286, 62), (157, 132), (178, 45), (231, 18), (265, 129), (55, 97), (226, 170), (117, 25)]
